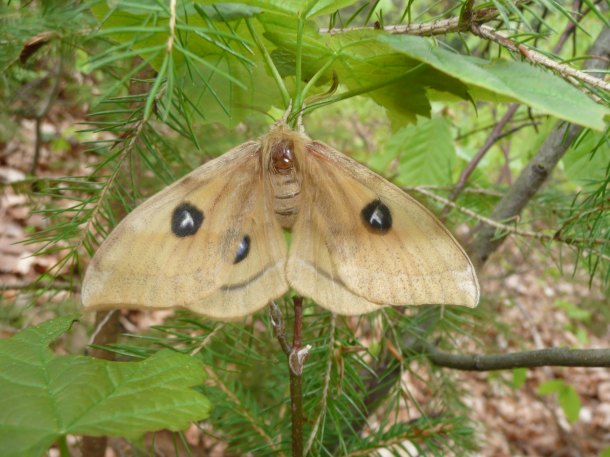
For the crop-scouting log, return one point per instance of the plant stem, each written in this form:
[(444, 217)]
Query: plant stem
[(363, 90), (298, 96), (269, 62), (297, 354), (296, 381), (62, 442)]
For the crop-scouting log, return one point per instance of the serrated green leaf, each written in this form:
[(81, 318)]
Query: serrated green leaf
[(424, 152), (46, 396), (504, 80), (605, 452), (570, 402), (519, 377)]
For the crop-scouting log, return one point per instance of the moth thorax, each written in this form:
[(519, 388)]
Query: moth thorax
[(285, 180), (282, 157)]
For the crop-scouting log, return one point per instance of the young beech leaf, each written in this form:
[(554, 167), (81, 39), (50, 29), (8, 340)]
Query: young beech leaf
[(45, 396)]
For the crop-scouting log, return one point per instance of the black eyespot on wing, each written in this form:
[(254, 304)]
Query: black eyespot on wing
[(377, 217), (186, 220), (242, 250)]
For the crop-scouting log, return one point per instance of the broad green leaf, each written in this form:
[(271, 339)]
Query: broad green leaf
[(605, 452), (550, 387), (504, 80), (570, 402), (321, 7), (519, 377), (586, 161), (424, 153), (46, 396)]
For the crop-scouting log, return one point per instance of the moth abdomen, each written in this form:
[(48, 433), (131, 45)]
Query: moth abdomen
[(285, 180)]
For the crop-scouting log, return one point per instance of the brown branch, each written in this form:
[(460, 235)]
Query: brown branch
[(325, 385), (554, 357), (39, 285)]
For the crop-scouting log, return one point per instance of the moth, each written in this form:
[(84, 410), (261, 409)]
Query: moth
[(214, 241)]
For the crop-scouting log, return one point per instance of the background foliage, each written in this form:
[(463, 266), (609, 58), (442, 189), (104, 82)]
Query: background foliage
[(441, 106)]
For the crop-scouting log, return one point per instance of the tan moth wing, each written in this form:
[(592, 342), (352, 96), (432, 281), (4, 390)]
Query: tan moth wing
[(209, 242), (360, 242)]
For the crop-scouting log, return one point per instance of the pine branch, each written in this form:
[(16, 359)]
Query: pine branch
[(509, 229), (244, 412)]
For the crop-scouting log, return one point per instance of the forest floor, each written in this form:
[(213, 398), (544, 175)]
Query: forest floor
[(536, 305)]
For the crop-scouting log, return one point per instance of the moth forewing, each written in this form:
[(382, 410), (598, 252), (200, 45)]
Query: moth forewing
[(382, 245), (163, 254)]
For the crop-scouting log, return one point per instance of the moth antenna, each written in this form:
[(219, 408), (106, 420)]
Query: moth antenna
[(300, 126), (284, 118)]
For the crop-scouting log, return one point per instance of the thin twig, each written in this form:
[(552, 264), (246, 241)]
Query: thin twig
[(295, 368), (207, 339), (532, 55), (441, 27), (37, 285), (472, 165), (279, 329), (325, 385), (104, 320), (510, 229)]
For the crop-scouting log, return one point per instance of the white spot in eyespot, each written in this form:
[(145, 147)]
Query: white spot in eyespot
[(376, 217), (187, 220)]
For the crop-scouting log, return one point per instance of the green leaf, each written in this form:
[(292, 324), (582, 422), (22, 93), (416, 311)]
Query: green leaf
[(46, 396), (519, 377), (550, 387), (321, 7), (425, 154), (310, 8), (503, 80), (570, 402), (573, 311)]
